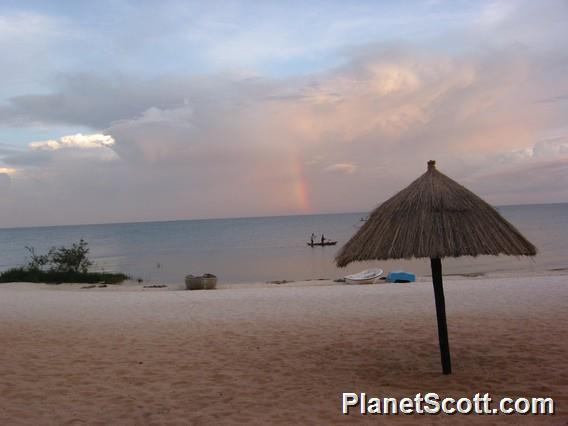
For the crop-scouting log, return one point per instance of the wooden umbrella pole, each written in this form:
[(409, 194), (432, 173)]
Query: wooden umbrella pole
[(436, 265)]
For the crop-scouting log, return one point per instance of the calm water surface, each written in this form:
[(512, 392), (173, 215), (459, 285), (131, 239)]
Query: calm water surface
[(270, 248)]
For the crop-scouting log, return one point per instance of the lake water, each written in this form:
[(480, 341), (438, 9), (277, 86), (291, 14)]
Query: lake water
[(268, 248)]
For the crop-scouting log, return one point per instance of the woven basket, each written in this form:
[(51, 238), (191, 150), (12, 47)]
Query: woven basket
[(193, 283), (205, 282), (209, 281)]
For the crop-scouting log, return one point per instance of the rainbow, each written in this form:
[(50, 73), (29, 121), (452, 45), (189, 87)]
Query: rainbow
[(300, 186)]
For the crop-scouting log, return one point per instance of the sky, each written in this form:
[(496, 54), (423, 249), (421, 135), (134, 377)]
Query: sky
[(123, 111)]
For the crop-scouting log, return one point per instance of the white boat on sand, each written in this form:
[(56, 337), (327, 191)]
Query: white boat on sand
[(368, 276)]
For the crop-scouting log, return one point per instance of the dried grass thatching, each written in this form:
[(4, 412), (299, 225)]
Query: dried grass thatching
[(434, 217)]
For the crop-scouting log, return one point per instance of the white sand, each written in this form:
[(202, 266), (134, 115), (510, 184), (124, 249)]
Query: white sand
[(274, 353)]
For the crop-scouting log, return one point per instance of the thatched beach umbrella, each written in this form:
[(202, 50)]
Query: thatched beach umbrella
[(434, 217)]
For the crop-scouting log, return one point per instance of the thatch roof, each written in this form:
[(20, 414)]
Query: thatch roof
[(434, 217)]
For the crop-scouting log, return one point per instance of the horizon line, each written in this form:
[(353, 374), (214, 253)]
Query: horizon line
[(238, 217)]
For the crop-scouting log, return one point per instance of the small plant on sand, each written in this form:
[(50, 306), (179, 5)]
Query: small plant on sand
[(61, 259), (61, 265)]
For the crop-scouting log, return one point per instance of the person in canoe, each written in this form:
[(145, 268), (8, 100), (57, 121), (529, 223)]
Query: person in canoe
[(312, 239), (322, 239)]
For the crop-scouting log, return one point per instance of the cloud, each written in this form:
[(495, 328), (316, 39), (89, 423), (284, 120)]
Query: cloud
[(92, 100), (23, 27), (74, 141), (5, 180), (213, 137), (30, 44), (242, 143), (316, 159), (59, 153), (558, 98), (7, 171), (345, 168)]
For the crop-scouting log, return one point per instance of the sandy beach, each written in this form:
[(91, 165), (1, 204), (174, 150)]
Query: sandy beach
[(275, 354)]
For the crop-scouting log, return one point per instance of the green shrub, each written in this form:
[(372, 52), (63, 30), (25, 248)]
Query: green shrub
[(24, 274), (60, 265), (61, 259)]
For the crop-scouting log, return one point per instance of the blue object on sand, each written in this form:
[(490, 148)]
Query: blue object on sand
[(401, 277)]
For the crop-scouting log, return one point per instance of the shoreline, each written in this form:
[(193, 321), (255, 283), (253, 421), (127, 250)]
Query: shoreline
[(132, 285)]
